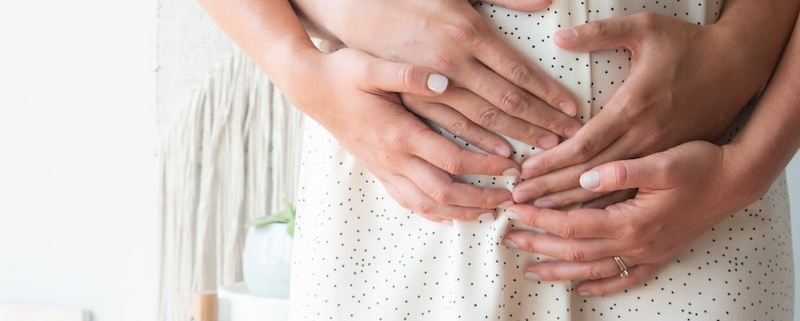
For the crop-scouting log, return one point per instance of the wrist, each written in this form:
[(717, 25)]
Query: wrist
[(744, 180)]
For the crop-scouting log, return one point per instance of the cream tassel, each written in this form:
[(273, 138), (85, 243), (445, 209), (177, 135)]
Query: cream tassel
[(229, 155)]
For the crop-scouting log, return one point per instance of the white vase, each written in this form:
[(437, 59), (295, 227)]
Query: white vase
[(267, 260)]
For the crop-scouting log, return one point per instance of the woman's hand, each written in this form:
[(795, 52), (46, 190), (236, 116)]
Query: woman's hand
[(680, 88), (354, 96), (673, 207), (494, 86)]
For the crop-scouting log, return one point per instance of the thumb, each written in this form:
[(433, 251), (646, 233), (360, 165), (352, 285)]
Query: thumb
[(520, 5), (404, 78), (623, 174), (598, 35)]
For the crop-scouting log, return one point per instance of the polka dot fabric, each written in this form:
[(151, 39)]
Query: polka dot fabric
[(360, 256)]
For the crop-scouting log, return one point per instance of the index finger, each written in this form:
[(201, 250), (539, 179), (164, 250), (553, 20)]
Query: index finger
[(448, 156), (573, 224), (595, 136)]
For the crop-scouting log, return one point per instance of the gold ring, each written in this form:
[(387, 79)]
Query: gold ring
[(623, 269)]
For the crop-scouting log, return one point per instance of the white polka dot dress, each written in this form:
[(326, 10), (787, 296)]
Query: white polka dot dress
[(360, 256)]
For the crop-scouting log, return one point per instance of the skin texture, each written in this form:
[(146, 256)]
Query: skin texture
[(414, 163), (494, 87), (681, 87), (673, 205), (409, 159)]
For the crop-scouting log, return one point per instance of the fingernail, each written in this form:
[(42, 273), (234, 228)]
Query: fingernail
[(447, 222), (505, 204), (567, 34), (571, 131), (584, 294), (568, 108), (486, 217), (548, 142), (437, 83), (530, 276), (511, 172), (590, 179), (501, 150), (509, 243), (512, 216), (522, 196), (544, 204)]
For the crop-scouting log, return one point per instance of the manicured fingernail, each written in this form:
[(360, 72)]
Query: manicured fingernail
[(548, 142), (512, 216), (486, 217), (447, 222), (502, 150), (567, 34), (590, 179), (568, 108), (505, 205), (584, 294), (544, 204), (509, 243), (511, 172), (437, 83), (530, 276)]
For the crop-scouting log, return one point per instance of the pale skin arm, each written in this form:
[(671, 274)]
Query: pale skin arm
[(354, 96), (681, 87), (674, 204), (494, 86), (350, 93)]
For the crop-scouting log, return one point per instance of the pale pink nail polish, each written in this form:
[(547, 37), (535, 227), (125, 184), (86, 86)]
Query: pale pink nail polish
[(530, 276), (512, 216), (486, 217), (509, 243), (567, 34), (437, 83), (505, 205)]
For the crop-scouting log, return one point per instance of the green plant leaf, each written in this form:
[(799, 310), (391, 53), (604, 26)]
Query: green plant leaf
[(285, 216)]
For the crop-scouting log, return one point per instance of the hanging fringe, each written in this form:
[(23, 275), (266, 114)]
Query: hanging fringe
[(229, 155)]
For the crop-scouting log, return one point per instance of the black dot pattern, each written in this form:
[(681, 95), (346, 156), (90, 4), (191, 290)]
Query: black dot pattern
[(360, 256)]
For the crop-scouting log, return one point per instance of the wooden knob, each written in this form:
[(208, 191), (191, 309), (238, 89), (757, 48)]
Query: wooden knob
[(204, 306)]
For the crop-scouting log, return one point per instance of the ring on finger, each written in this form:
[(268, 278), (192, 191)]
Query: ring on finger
[(623, 269)]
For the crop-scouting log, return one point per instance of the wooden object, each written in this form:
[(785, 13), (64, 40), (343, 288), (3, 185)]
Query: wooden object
[(204, 306)]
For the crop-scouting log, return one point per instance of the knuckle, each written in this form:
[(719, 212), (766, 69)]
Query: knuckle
[(395, 137), (423, 207), (453, 166), (464, 31), (519, 73), (596, 29), (443, 63), (647, 20), (566, 231), (489, 117), (573, 255), (594, 273), (457, 127), (405, 76), (441, 196), (512, 102)]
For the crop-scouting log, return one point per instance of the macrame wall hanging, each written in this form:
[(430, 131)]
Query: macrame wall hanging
[(229, 146)]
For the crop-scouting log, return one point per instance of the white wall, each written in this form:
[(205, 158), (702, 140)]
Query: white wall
[(77, 156), (77, 163)]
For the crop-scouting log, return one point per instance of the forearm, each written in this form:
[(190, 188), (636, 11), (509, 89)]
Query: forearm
[(771, 137), (756, 31), (267, 30)]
